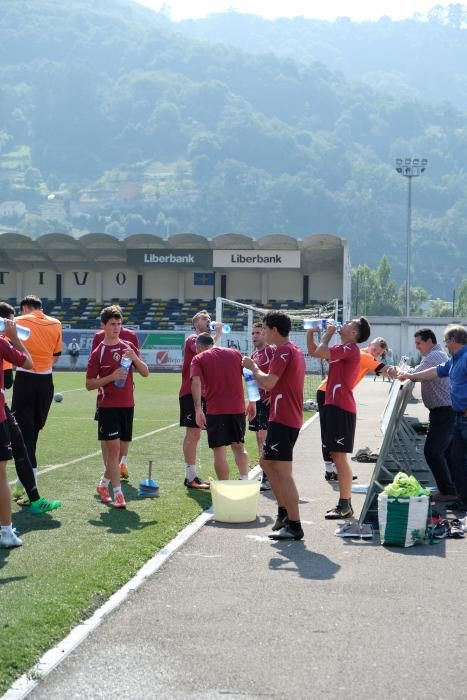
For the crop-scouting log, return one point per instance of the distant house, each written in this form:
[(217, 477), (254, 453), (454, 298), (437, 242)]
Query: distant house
[(53, 210), (12, 210)]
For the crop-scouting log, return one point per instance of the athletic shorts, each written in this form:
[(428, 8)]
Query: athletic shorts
[(279, 443), (32, 398), (224, 429), (115, 424), (5, 442), (338, 429), (187, 411), (260, 421)]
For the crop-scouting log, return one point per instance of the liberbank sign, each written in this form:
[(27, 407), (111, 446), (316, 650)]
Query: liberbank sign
[(256, 258), (212, 259), (175, 257)]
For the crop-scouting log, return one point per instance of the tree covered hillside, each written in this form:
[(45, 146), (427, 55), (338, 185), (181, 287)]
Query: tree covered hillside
[(111, 121), (425, 57)]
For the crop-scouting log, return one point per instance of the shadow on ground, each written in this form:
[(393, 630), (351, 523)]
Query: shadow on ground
[(121, 521), (296, 558), (260, 521)]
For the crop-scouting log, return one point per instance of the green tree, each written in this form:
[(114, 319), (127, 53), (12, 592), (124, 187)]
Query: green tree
[(32, 177), (33, 225), (373, 291), (439, 308), (114, 228), (461, 301), (418, 299)]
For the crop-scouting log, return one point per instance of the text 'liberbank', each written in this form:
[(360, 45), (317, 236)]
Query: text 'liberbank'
[(238, 258), (256, 258), (169, 259)]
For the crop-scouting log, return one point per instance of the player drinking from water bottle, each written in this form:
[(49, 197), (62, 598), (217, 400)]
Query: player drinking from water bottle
[(12, 350), (201, 323), (339, 412)]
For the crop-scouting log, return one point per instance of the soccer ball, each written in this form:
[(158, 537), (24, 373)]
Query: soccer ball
[(58, 397)]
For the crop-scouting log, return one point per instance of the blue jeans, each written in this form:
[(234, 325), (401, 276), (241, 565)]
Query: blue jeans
[(459, 456)]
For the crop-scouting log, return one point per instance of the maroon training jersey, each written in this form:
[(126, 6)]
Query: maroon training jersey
[(189, 352), (263, 359), (103, 361), (17, 358), (286, 405), (125, 334), (344, 364), (220, 371)]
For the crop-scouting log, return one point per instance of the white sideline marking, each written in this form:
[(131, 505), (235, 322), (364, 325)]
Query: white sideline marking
[(50, 660), (53, 467), (27, 682), (309, 422), (68, 391), (253, 473)]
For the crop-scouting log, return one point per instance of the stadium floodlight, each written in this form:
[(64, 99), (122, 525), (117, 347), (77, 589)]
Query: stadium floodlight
[(409, 168)]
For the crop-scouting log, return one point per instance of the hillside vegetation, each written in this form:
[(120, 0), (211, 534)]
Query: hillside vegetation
[(137, 128)]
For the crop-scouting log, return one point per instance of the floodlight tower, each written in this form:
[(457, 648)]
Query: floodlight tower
[(409, 168)]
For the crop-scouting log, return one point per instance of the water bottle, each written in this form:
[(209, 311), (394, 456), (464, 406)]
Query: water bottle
[(22, 331), (125, 363), (320, 323), (225, 328), (252, 389)]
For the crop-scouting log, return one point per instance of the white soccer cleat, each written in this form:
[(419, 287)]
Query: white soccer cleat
[(10, 539)]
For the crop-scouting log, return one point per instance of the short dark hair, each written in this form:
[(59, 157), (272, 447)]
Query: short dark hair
[(204, 339), (364, 329), (110, 312), (278, 320), (258, 324), (32, 301), (457, 333), (6, 310), (425, 334)]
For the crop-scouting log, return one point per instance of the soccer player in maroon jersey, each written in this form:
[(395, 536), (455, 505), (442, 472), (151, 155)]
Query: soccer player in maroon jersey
[(200, 321), (284, 381), (262, 355), (339, 412), (132, 337), (115, 405), (12, 350), (219, 370)]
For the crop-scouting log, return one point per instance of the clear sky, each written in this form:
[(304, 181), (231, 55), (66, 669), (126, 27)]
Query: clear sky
[(358, 10)]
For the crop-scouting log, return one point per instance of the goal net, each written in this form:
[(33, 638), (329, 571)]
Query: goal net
[(241, 317)]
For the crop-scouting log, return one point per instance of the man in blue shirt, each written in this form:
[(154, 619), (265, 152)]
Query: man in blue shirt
[(455, 339)]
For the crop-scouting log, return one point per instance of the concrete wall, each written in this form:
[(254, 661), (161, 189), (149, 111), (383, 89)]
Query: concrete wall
[(168, 283), (399, 332)]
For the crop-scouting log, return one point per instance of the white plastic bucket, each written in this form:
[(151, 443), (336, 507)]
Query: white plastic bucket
[(235, 501)]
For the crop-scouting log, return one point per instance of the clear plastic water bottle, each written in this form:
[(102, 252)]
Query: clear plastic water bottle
[(252, 389), (125, 363), (23, 332), (225, 328), (320, 323)]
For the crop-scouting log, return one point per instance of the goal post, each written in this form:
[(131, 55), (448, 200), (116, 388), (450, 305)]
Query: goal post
[(241, 317)]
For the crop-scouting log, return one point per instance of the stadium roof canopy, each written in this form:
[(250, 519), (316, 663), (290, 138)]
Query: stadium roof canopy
[(96, 250)]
